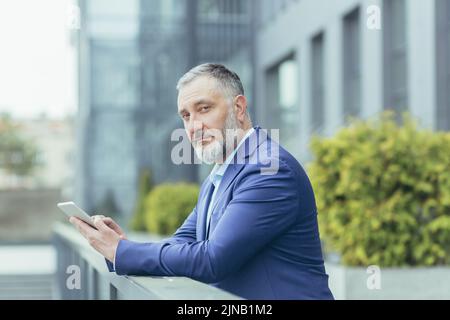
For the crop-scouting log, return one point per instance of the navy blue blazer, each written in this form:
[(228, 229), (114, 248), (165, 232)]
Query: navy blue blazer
[(263, 238)]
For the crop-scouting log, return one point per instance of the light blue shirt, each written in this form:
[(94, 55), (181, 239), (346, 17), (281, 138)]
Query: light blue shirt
[(217, 173)]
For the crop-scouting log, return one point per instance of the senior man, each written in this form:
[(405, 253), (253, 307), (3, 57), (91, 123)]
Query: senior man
[(254, 230)]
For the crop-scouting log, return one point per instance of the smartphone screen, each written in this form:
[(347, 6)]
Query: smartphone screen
[(72, 210)]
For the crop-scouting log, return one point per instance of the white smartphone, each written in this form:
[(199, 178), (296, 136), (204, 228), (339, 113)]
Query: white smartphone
[(72, 210)]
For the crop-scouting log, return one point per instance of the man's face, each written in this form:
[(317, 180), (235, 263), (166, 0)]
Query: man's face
[(206, 114)]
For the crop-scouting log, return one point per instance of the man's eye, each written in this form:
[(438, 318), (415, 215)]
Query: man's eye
[(206, 108), (185, 116)]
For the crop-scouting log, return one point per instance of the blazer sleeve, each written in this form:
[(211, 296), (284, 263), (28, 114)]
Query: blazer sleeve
[(187, 232), (263, 207)]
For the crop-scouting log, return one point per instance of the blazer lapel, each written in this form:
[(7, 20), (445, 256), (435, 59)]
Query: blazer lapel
[(236, 166), (202, 211)]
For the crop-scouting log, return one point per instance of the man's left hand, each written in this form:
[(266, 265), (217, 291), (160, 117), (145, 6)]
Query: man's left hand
[(105, 240)]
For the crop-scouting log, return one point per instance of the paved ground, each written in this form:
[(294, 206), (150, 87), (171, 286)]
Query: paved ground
[(26, 272)]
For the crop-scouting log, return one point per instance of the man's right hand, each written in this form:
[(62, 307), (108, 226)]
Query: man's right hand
[(112, 224)]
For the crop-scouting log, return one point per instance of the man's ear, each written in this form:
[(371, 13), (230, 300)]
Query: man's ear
[(240, 107)]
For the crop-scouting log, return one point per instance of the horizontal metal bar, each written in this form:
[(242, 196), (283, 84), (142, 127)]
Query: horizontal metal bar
[(122, 287)]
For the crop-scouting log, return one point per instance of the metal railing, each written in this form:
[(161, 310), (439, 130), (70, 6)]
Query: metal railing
[(76, 258)]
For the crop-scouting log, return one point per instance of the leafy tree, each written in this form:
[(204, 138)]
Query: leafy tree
[(17, 154)]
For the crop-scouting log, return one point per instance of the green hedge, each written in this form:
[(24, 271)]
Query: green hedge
[(383, 193), (137, 222), (168, 205)]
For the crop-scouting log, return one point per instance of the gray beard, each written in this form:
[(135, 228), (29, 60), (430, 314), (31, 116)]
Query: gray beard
[(215, 152)]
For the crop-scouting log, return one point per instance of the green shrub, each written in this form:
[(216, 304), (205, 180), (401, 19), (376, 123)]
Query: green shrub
[(137, 222), (383, 193), (168, 205)]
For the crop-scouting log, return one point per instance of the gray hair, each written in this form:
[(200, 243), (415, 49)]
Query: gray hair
[(228, 80)]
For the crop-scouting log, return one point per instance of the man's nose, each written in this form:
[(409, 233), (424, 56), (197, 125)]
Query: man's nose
[(194, 128)]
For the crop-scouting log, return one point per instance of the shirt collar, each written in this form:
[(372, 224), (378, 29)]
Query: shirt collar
[(219, 169)]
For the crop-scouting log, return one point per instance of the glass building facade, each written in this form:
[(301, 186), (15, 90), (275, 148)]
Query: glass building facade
[(131, 55)]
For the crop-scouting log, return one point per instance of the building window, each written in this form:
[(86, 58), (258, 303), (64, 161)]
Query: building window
[(443, 64), (352, 64), (114, 75), (215, 9), (317, 83), (282, 98), (395, 55)]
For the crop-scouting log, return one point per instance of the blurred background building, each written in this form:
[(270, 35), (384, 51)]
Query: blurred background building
[(131, 55), (28, 200), (340, 67), (306, 65)]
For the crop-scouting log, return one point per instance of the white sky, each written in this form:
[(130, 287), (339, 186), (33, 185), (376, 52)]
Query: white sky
[(37, 70)]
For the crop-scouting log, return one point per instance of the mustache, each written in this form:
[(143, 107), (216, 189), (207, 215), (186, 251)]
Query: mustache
[(200, 136)]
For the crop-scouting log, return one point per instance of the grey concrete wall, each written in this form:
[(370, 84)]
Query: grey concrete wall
[(291, 29), (395, 283), (28, 215)]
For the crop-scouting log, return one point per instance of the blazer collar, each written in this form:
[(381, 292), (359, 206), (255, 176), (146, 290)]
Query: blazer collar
[(244, 152)]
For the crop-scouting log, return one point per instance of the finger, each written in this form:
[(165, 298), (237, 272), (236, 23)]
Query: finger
[(113, 225), (98, 216), (110, 222), (85, 229), (100, 225), (75, 221), (72, 220)]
